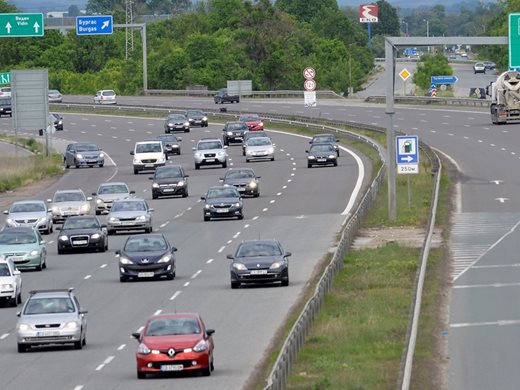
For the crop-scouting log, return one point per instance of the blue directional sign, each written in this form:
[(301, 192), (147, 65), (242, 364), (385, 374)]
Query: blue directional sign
[(444, 79), (407, 149), (94, 25)]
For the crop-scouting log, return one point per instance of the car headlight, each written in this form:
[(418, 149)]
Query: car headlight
[(85, 207), (101, 155), (136, 161), (113, 219), (165, 259), (221, 153), (276, 265), (55, 209), (249, 151), (141, 218), (143, 349), (63, 238), (155, 185), (99, 201), (229, 133), (186, 123), (72, 325), (95, 236), (332, 156), (311, 157), (261, 124), (42, 219), (79, 156), (239, 267), (270, 150), (161, 160), (201, 346), (198, 154), (207, 206), (170, 124), (124, 260), (10, 221), (7, 286), (204, 118), (181, 183), (237, 204), (252, 184), (23, 327), (34, 252)]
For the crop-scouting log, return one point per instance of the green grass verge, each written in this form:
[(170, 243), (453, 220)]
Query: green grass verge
[(19, 171)]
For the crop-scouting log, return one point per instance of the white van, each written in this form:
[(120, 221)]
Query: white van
[(148, 155)]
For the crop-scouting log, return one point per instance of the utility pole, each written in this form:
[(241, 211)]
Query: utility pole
[(129, 31)]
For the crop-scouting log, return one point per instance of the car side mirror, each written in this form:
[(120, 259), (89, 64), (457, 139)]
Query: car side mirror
[(49, 200), (150, 178), (151, 210), (230, 257), (174, 249), (43, 242), (203, 198), (132, 152), (287, 254), (137, 336), (83, 311), (18, 313), (118, 253), (179, 139), (209, 332), (194, 149), (103, 226), (306, 151), (225, 146), (16, 272), (89, 198), (94, 194), (132, 192), (258, 177), (186, 175), (6, 212)]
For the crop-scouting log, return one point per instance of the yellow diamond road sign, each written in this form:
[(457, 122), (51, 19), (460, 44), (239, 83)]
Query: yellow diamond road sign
[(404, 74)]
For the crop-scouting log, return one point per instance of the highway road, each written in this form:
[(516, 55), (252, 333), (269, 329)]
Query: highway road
[(304, 208)]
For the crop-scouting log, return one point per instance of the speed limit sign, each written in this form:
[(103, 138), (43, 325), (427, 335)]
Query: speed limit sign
[(309, 73), (309, 85)]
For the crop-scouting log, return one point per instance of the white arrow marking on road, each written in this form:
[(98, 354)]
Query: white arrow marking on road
[(8, 27), (105, 24), (501, 200), (496, 181), (36, 27)]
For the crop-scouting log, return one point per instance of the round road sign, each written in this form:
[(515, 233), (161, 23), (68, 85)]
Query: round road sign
[(309, 73), (309, 85)]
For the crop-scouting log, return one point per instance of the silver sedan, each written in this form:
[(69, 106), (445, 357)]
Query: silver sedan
[(130, 214), (32, 213), (259, 148)]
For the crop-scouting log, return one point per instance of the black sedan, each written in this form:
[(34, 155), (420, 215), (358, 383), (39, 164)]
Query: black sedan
[(259, 261), (322, 154), (146, 256), (326, 139), (233, 132), (81, 233), (244, 179), (58, 121), (222, 202), (197, 118), (169, 180), (176, 122), (171, 143), (83, 154)]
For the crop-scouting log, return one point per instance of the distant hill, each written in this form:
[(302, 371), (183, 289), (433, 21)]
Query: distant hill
[(448, 4), (45, 6)]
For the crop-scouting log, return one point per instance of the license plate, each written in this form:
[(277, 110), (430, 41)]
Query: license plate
[(222, 210), (16, 258), (47, 333), (92, 161), (128, 223), (241, 189), (321, 159), (168, 190), (80, 242), (145, 275), (172, 367), (210, 160), (259, 272), (148, 165)]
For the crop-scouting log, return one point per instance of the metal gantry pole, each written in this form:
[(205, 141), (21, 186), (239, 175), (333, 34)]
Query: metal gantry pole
[(390, 134)]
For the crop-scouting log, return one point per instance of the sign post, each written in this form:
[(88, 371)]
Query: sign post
[(407, 158), (309, 96), (21, 25)]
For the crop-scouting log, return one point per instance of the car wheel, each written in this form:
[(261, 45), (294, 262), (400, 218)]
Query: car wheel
[(13, 302), (136, 171), (170, 276), (76, 164), (285, 283), (44, 265), (185, 194), (154, 196), (240, 217), (78, 344), (67, 166), (187, 130), (272, 159), (123, 279), (48, 230), (101, 165), (19, 297), (335, 163), (84, 342), (148, 230), (247, 160), (52, 228), (197, 166), (235, 285), (60, 251), (256, 195), (206, 371), (141, 375), (178, 152), (206, 219), (22, 348), (102, 248), (39, 267), (224, 164), (309, 165)]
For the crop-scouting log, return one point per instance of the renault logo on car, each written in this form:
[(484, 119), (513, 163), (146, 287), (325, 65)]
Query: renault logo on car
[(171, 352)]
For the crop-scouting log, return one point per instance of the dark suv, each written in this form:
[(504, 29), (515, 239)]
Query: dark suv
[(233, 132), (222, 97), (169, 180), (5, 106)]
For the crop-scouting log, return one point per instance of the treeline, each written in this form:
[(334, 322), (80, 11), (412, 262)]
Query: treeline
[(219, 40)]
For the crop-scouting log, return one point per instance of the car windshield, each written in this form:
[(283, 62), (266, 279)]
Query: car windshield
[(4, 270), (167, 138), (109, 93), (194, 113), (69, 197), (251, 249), (86, 147), (322, 148), (49, 306), (17, 238), (239, 174), (172, 326), (168, 172), (27, 208), (323, 139), (209, 145), (176, 117), (113, 189), (222, 193), (259, 141), (236, 126), (254, 134), (148, 148), (80, 223), (145, 244), (128, 206)]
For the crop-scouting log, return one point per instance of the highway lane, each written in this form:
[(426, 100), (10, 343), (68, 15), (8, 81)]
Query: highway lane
[(300, 206)]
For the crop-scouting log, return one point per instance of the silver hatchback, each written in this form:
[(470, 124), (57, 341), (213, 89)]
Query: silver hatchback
[(31, 213)]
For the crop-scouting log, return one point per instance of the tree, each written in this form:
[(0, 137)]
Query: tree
[(388, 21), (305, 10), (431, 65), (73, 11)]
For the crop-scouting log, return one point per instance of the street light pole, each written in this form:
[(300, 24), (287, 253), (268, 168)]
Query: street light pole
[(406, 26), (427, 30)]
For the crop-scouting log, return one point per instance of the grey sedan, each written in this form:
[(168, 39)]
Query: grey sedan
[(130, 214), (83, 155), (32, 213)]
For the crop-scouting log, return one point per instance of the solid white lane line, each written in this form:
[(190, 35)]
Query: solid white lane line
[(494, 285), (164, 224), (121, 347), (486, 323), (196, 274), (157, 312), (289, 180), (292, 174), (100, 367), (79, 387), (278, 194), (87, 277), (221, 249), (284, 187), (109, 359), (177, 293), (246, 226)]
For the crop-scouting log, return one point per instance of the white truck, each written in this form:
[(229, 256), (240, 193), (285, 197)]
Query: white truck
[(505, 98)]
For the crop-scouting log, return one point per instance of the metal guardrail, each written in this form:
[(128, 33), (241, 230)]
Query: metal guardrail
[(252, 94), (426, 100), (302, 326)]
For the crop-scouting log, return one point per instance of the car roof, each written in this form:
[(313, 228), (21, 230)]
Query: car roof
[(146, 235), (113, 183), (258, 240), (74, 190), (51, 293), (29, 201), (174, 315), (172, 166), (152, 141), (131, 200), (90, 216)]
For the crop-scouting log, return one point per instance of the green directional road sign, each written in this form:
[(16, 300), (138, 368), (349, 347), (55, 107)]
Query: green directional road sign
[(21, 25), (514, 40), (5, 78)]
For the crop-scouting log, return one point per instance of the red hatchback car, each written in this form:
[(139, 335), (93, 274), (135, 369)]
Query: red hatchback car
[(253, 121), (173, 343)]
